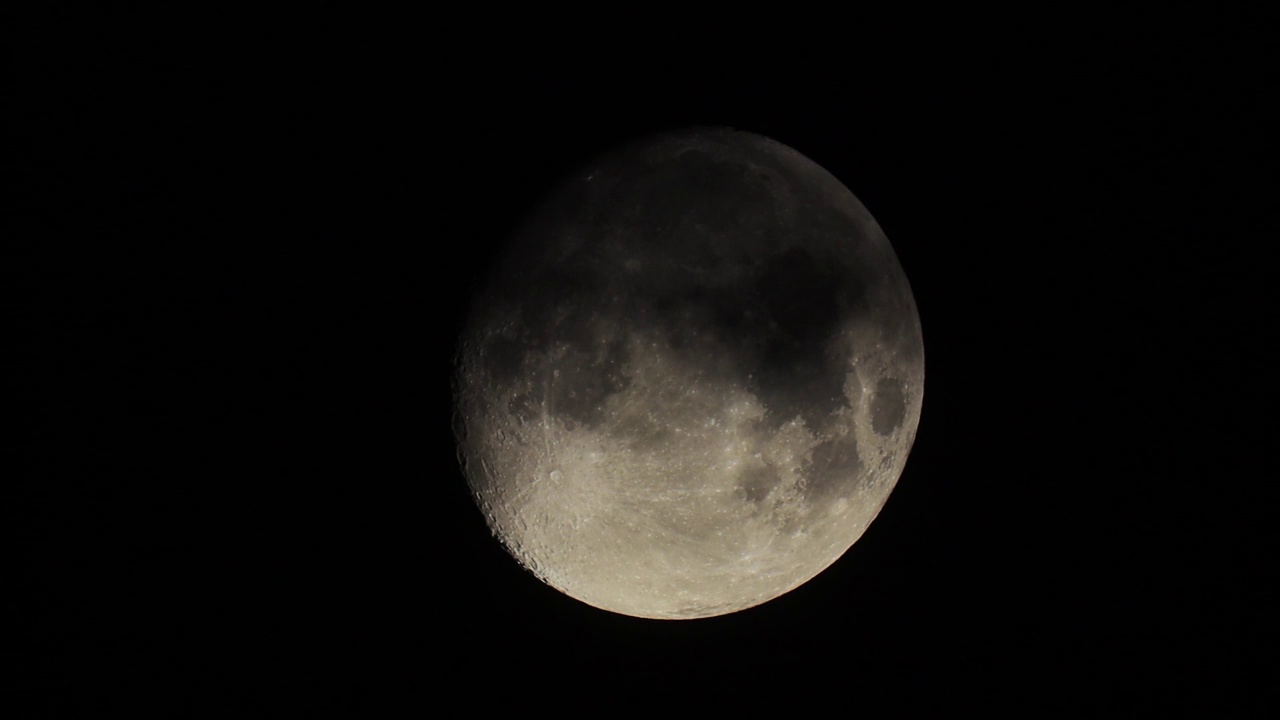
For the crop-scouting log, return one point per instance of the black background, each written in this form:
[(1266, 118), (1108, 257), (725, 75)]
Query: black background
[(239, 251)]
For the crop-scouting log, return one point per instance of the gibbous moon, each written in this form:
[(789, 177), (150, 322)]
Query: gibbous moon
[(693, 380)]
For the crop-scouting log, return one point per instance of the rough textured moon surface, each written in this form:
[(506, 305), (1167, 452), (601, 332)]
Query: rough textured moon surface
[(693, 379)]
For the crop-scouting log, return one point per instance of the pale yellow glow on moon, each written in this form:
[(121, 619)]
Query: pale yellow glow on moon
[(626, 453)]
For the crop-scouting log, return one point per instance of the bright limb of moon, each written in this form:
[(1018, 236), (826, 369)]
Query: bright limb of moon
[(695, 380)]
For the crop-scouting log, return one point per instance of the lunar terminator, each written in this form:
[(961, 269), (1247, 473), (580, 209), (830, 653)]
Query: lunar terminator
[(692, 381)]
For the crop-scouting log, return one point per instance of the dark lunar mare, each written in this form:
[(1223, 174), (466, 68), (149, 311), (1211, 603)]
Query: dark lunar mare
[(726, 243)]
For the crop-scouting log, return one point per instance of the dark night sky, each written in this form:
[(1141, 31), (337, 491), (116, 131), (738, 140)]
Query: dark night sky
[(238, 265)]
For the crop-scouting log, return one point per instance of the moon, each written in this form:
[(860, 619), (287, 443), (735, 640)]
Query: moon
[(693, 379)]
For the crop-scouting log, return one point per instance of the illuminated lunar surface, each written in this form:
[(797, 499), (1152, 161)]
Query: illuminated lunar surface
[(693, 380)]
